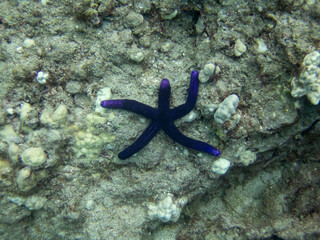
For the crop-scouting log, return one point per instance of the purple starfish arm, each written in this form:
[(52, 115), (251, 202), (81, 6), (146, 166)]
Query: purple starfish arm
[(132, 106), (185, 108), (173, 132), (142, 141), (164, 99)]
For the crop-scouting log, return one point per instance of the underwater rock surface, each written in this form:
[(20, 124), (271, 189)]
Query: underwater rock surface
[(55, 57)]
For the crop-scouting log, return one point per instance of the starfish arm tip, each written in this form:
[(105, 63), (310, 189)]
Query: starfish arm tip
[(111, 103), (215, 152), (165, 83), (194, 74), (123, 156)]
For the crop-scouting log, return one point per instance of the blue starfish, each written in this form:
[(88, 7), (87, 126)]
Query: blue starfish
[(163, 118)]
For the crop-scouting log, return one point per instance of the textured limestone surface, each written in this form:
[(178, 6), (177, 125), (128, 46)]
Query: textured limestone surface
[(55, 57)]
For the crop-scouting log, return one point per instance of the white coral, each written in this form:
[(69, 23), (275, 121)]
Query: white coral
[(207, 71), (309, 81), (220, 166), (226, 109), (166, 210)]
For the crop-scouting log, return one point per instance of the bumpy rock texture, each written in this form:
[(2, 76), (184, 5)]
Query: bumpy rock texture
[(81, 190), (308, 82)]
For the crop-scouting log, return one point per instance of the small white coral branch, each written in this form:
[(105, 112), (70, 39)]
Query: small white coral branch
[(167, 209)]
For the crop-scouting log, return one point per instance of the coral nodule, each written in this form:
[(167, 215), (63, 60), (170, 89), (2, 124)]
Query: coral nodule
[(163, 118)]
